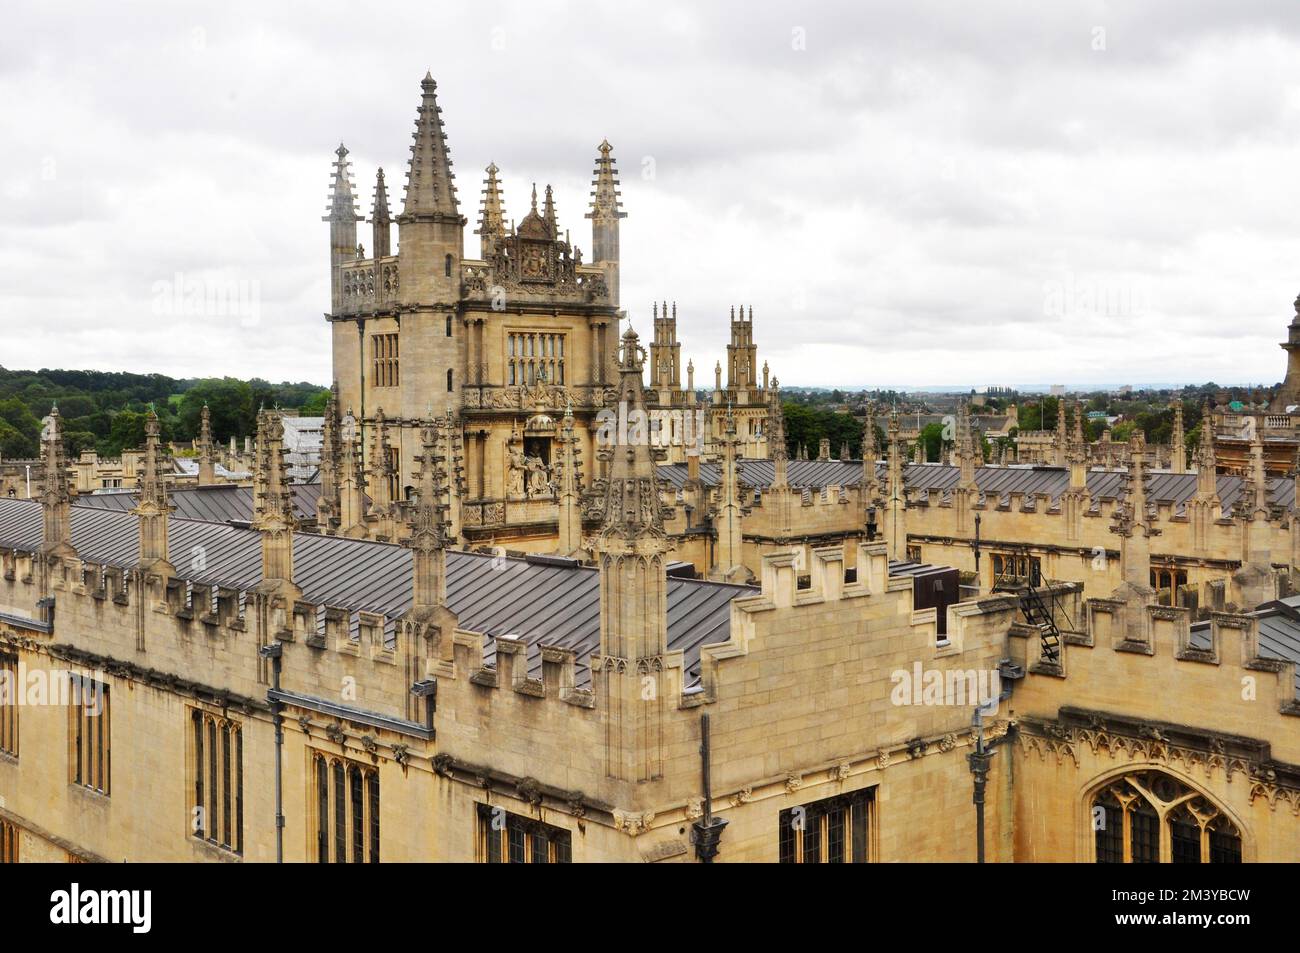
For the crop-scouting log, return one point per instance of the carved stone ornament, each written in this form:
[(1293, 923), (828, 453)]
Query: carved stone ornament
[(633, 823)]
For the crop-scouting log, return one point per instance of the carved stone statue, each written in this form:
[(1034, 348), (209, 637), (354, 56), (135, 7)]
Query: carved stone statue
[(538, 477), (515, 472)]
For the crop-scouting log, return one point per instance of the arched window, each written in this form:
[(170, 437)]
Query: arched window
[(449, 380), (447, 266), (448, 325), (1151, 817)]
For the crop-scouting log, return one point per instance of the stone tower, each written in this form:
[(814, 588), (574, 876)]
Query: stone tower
[(742, 353), (430, 227), (665, 351)]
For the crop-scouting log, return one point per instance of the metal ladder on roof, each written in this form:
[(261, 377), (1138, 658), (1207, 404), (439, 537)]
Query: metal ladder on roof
[(1039, 615)]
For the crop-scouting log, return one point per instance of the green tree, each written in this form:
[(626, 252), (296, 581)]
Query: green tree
[(231, 406), (314, 406), (932, 442), (26, 424), (13, 444), (127, 433)]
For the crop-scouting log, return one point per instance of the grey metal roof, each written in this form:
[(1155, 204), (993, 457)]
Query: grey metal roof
[(994, 482), (1279, 631), (218, 503), (495, 595)]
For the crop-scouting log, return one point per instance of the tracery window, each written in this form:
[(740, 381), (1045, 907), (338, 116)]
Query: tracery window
[(89, 734), (1167, 582), (835, 830), (1016, 569), (347, 811), (9, 689), (533, 356), (384, 351), (393, 467), (217, 765), (1151, 817), (506, 838), (8, 843)]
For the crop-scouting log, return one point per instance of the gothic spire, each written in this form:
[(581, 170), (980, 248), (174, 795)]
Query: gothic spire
[(606, 201), (56, 496), (1178, 441), (152, 508), (870, 452), (352, 484), (331, 452), (428, 522), (569, 491), (548, 214), (1062, 440), (966, 455), (606, 211), (1207, 468), (631, 506), (380, 220), (207, 456), (492, 221), (273, 512), (776, 445), (430, 184), (343, 200), (381, 470)]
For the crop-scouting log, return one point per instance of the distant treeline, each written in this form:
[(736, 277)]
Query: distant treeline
[(106, 411)]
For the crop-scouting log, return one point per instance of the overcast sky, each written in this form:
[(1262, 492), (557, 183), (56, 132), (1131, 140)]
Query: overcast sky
[(920, 193)]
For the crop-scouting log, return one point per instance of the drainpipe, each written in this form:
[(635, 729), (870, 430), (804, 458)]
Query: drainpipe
[(979, 768), (1008, 673), (273, 651), (708, 830)]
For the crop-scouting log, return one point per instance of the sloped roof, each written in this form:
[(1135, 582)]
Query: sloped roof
[(1161, 487), (219, 503), (496, 595)]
